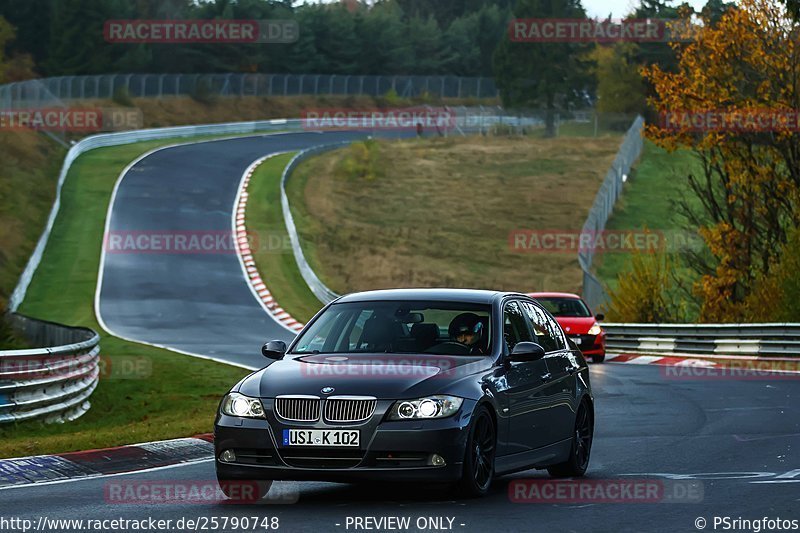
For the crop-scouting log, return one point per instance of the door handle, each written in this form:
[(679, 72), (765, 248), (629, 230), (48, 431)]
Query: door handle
[(572, 370), (547, 377)]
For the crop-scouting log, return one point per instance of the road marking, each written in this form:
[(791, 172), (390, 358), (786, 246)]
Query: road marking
[(90, 477)]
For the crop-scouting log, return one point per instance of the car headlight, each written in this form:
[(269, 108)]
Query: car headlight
[(596, 329), (235, 404), (430, 407)]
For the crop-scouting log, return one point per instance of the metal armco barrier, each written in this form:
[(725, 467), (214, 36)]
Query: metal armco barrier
[(719, 339), (466, 120), (52, 383), (320, 290), (115, 139)]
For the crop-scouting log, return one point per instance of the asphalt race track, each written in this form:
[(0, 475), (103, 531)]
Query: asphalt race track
[(732, 443), (193, 302), (734, 437)]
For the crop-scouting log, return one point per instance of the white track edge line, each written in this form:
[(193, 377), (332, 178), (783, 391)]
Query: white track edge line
[(106, 226)]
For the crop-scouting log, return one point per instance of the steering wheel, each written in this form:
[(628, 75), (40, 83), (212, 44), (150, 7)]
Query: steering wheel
[(449, 348)]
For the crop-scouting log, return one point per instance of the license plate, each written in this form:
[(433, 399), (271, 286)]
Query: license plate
[(576, 340), (320, 437)]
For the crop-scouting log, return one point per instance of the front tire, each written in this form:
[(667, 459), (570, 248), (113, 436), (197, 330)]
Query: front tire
[(479, 455), (581, 448), (598, 358)]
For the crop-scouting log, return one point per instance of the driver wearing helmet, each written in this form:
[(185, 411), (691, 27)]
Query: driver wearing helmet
[(467, 329)]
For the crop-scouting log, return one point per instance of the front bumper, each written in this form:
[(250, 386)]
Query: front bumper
[(397, 450), (591, 344)]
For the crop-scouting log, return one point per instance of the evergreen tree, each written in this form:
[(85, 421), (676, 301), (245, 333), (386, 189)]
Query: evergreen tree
[(544, 75)]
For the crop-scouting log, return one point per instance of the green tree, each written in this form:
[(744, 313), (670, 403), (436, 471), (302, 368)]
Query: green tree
[(620, 87), (426, 44), (383, 32), (6, 35), (77, 44), (31, 18), (14, 66), (548, 75)]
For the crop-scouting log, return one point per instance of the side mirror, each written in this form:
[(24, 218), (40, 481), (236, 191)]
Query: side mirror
[(526, 351), (274, 350), (600, 316)]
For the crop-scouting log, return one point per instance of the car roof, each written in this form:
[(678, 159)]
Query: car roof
[(441, 294), (553, 295)]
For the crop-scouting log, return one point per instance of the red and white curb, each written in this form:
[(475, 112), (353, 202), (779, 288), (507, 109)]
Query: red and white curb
[(245, 253), (782, 365), (58, 468), (661, 360)]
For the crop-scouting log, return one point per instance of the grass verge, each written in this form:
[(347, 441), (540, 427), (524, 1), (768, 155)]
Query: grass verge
[(439, 212), (649, 201), (174, 396), (273, 256), (27, 187)]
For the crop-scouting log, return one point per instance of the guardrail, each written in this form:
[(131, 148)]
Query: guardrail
[(127, 137), (720, 339), (53, 383), (320, 290)]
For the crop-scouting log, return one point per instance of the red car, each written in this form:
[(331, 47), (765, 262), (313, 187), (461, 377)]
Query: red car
[(576, 319)]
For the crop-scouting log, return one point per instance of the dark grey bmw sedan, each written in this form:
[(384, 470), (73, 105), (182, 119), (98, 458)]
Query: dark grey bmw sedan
[(439, 385)]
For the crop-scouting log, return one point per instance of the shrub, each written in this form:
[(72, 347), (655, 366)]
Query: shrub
[(776, 296), (122, 96), (361, 160), (203, 92), (649, 292)]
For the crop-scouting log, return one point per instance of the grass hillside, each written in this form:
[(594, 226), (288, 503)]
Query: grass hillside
[(27, 187), (439, 212)]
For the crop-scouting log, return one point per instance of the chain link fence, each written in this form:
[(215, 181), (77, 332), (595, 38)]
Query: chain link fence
[(38, 93), (593, 291)]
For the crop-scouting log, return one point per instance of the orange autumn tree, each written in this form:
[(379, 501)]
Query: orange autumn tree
[(745, 66)]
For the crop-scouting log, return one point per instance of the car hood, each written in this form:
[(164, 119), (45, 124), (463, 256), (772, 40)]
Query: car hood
[(384, 376), (576, 325)]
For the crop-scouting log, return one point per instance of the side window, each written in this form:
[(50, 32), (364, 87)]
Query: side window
[(514, 327), (548, 332)]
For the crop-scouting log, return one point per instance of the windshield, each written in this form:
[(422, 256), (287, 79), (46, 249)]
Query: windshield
[(567, 307), (442, 328)]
